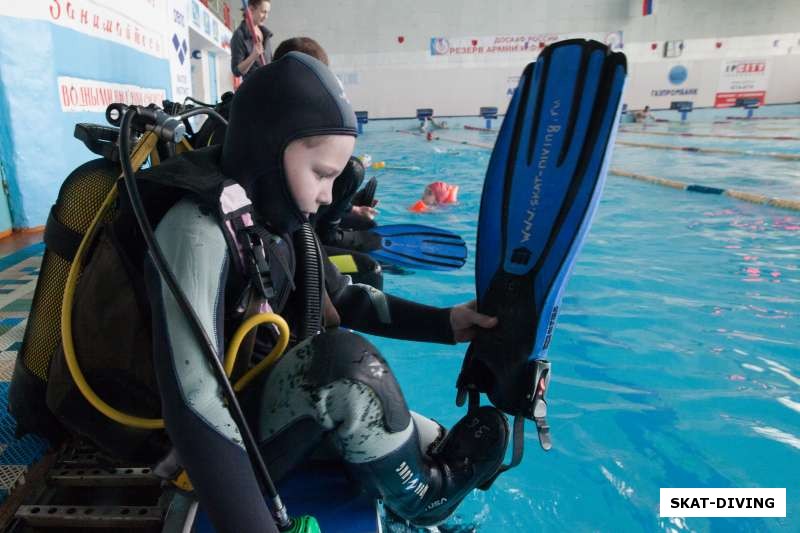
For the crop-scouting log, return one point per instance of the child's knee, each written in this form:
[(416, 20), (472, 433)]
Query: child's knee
[(342, 355)]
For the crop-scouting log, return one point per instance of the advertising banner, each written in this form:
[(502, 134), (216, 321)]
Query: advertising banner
[(135, 26), (204, 22), (78, 95), (742, 78), (511, 44), (664, 83), (178, 49)]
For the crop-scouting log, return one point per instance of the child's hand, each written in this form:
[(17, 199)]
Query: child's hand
[(465, 319), (365, 211)]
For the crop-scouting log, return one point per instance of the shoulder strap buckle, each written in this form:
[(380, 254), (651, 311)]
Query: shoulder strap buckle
[(245, 238), (256, 261)]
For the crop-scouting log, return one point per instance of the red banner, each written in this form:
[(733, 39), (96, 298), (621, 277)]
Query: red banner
[(729, 99)]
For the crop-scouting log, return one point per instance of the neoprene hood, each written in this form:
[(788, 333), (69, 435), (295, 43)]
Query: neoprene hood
[(292, 98)]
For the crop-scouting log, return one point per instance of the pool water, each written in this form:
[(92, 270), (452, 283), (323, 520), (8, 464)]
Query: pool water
[(675, 359)]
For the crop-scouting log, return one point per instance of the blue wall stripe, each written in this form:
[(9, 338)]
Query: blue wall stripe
[(40, 150)]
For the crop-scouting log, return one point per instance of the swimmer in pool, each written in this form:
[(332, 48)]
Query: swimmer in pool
[(436, 194)]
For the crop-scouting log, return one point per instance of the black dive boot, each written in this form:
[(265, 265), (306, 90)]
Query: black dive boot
[(427, 491)]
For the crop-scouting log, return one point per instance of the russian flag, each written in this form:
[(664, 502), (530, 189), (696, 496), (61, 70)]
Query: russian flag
[(647, 7)]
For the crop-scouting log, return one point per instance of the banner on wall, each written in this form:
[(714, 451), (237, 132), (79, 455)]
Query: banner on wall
[(136, 26), (77, 95), (673, 83), (178, 50), (512, 44), (204, 22), (742, 78)]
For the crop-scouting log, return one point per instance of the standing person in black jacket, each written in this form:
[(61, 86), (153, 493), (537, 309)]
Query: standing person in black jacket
[(249, 53)]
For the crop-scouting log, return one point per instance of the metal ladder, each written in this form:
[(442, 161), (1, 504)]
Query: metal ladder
[(79, 488)]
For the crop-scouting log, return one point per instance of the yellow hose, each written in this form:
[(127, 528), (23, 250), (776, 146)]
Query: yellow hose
[(143, 148), (269, 360), (184, 146)]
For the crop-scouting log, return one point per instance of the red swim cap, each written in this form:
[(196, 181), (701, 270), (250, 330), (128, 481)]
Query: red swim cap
[(444, 192)]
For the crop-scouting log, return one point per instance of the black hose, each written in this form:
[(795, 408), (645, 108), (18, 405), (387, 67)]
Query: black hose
[(311, 322), (198, 102), (209, 350), (203, 111)]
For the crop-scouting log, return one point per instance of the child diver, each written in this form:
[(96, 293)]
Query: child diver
[(332, 384)]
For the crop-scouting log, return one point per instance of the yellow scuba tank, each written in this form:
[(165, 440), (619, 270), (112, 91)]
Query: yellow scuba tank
[(79, 198)]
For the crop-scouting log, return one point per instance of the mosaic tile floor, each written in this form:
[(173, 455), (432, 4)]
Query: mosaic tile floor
[(18, 274)]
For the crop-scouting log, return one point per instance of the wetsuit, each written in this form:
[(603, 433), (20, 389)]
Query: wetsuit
[(199, 424), (334, 383)]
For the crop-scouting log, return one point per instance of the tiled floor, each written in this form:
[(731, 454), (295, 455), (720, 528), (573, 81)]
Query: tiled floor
[(20, 257)]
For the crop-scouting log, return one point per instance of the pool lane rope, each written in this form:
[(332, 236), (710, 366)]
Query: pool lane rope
[(754, 198), (712, 135), (448, 140), (744, 119), (697, 150)]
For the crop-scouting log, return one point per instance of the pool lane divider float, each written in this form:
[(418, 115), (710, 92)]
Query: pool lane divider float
[(712, 135), (366, 160), (753, 198), (476, 128), (434, 137), (698, 150), (762, 118)]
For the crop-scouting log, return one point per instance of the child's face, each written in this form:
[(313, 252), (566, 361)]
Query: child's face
[(428, 197), (312, 164)]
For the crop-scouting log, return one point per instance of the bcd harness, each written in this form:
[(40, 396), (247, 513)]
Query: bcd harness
[(263, 281)]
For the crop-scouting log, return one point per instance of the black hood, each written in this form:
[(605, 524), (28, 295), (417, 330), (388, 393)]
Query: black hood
[(292, 98)]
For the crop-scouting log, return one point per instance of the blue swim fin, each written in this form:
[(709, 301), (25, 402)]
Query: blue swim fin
[(542, 188), (418, 246)]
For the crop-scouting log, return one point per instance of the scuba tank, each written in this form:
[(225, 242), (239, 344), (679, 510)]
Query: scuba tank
[(86, 188), (78, 200)]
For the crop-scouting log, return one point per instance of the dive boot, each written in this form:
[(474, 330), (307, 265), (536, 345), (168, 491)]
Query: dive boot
[(426, 491)]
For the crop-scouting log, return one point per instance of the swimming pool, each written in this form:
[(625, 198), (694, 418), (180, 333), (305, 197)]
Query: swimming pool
[(675, 358)]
